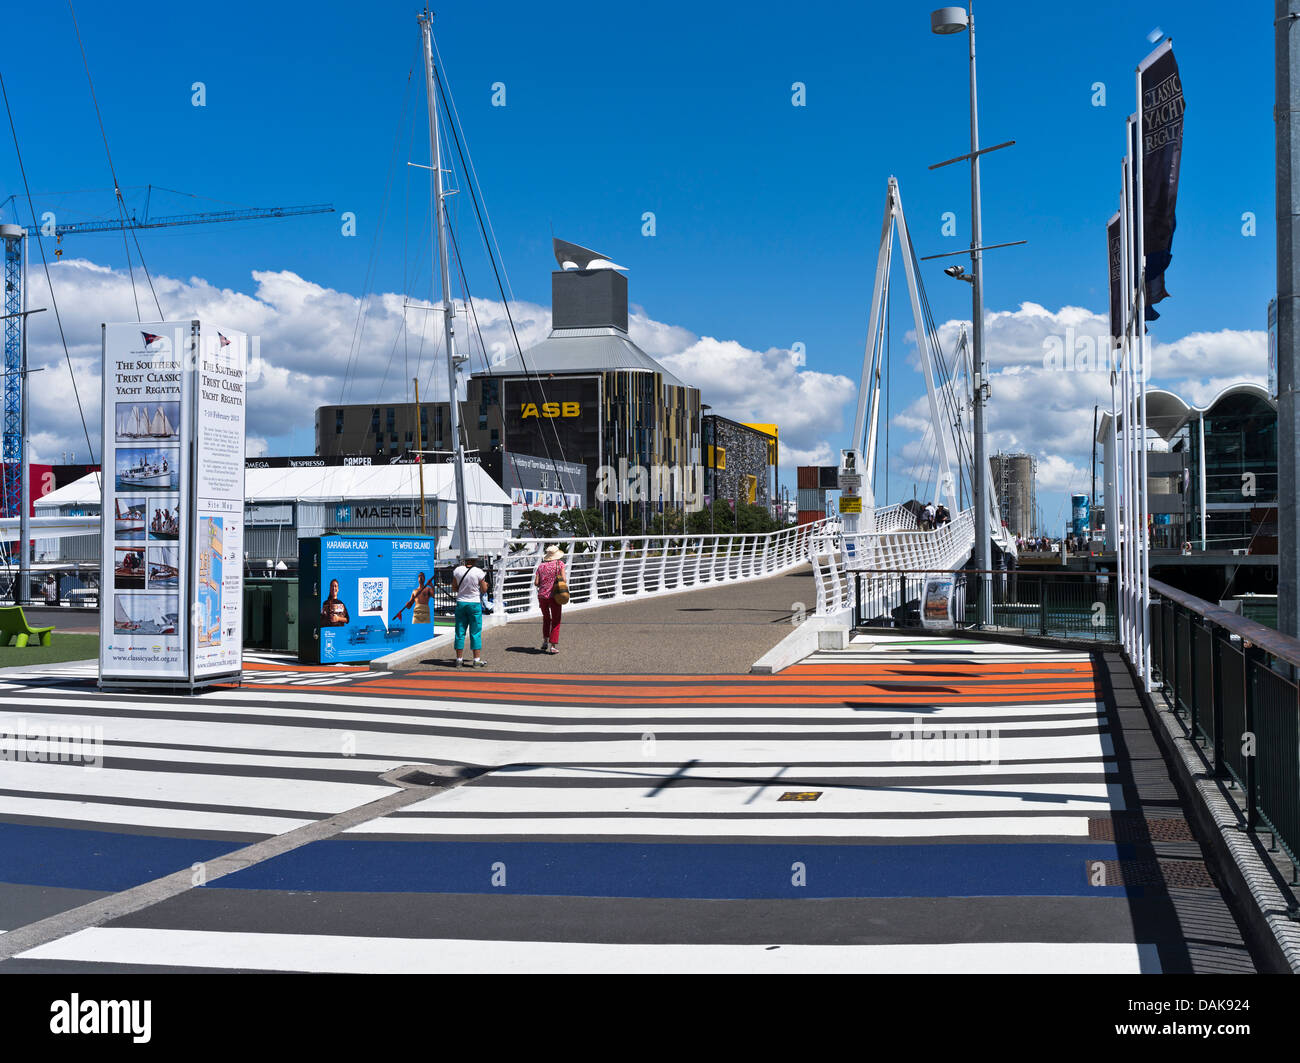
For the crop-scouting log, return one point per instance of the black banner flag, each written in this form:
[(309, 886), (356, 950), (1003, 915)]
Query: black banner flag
[(1162, 151), (1116, 279)]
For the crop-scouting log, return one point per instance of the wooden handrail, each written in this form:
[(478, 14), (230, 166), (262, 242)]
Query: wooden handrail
[(1280, 646)]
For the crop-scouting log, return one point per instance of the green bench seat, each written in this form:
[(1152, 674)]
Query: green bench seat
[(13, 625)]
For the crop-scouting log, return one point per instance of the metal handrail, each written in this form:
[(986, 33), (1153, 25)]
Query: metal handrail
[(1282, 647)]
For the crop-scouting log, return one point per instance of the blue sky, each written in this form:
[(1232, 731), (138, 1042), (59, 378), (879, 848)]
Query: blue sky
[(767, 215)]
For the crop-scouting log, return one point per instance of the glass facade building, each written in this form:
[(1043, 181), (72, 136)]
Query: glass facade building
[(1211, 471)]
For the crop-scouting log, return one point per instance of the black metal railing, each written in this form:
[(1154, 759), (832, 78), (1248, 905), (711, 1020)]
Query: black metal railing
[(1232, 683), (1065, 605), (443, 600)]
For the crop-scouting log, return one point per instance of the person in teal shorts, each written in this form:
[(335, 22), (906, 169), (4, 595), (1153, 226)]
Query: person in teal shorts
[(470, 583)]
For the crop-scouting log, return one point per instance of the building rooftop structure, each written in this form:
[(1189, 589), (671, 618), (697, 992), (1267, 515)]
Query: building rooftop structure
[(1211, 470), (1168, 414), (331, 483), (284, 504), (582, 350)]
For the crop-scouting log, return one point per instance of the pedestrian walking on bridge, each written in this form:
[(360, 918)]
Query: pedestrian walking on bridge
[(551, 581)]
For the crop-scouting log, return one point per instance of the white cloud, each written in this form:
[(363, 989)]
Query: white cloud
[(316, 350), (1048, 412), (320, 346)]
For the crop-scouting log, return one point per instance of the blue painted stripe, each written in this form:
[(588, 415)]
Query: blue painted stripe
[(96, 860), (694, 870)]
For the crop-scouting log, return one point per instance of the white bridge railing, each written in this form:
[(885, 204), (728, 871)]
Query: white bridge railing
[(895, 518), (603, 571), (836, 557)]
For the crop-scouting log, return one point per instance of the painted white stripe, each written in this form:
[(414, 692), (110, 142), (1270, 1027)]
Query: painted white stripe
[(1086, 798), (332, 797), (577, 719), (668, 750), (180, 820), (737, 826), (367, 955), (850, 722), (653, 770), (191, 788)]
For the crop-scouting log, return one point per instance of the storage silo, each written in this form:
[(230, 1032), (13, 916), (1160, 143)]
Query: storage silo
[(1014, 479)]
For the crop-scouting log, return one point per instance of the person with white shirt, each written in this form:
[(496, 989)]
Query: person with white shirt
[(470, 584)]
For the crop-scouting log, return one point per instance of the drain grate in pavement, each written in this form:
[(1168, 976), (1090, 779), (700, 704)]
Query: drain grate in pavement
[(1171, 874), (1121, 827)]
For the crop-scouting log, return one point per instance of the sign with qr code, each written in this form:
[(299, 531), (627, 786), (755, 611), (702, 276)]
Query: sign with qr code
[(362, 597), (373, 594)]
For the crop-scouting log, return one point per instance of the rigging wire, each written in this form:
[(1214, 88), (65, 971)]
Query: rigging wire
[(471, 182), (117, 189), (54, 303), (364, 301)]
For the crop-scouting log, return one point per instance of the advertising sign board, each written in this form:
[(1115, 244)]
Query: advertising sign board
[(361, 597), (173, 457)]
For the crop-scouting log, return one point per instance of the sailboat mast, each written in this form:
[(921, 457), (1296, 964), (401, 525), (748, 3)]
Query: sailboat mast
[(460, 537)]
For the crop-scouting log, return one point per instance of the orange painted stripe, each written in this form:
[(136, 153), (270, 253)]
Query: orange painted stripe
[(511, 686), (821, 698), (967, 698)]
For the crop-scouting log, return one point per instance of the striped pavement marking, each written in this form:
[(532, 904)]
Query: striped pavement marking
[(654, 789), (368, 955)]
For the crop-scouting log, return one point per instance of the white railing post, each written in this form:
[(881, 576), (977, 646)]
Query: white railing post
[(640, 568), (618, 572)]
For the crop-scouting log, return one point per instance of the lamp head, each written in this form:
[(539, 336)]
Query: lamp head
[(948, 20)]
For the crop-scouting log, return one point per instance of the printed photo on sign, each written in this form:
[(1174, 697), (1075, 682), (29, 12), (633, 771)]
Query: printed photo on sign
[(128, 568), (333, 610), (153, 422), (147, 469), (418, 602), (129, 519), (938, 593), (162, 566), (146, 614), (210, 556), (164, 519)]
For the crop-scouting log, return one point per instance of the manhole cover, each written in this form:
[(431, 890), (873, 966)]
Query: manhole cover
[(1123, 827), (1170, 874)]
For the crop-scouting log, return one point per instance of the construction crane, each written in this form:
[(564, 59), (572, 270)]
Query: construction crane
[(15, 324)]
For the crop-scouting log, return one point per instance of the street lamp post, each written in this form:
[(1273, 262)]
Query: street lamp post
[(944, 21)]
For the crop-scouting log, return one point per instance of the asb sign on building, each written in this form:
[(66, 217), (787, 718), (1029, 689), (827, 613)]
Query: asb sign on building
[(361, 597), (172, 568)]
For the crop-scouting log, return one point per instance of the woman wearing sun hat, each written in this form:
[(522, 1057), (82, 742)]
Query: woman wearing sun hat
[(550, 579)]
